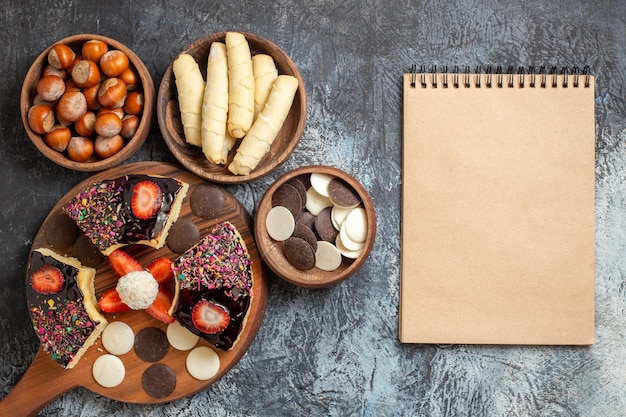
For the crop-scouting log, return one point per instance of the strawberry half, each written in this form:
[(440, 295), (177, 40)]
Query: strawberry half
[(47, 279), (111, 302), (146, 200), (159, 309), (122, 263), (209, 317), (161, 270)]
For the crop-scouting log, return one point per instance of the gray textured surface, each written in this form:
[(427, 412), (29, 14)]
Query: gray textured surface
[(335, 351)]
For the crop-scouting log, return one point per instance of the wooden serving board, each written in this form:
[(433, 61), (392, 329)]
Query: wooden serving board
[(46, 380)]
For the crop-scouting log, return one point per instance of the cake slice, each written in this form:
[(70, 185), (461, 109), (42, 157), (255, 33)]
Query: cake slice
[(132, 209), (214, 287), (62, 305)]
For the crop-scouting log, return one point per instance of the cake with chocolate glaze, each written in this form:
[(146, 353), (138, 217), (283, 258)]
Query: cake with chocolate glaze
[(214, 287), (132, 209), (62, 305)]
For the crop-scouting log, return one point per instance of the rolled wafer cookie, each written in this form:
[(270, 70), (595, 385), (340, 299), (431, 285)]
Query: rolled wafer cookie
[(215, 104), (265, 128), (240, 85), (265, 73), (190, 86)]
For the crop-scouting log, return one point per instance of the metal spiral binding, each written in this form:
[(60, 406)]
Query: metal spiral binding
[(536, 77)]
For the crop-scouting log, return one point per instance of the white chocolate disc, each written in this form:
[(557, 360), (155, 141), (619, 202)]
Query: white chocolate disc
[(118, 338), (203, 363), (327, 256), (320, 182), (180, 337), (346, 241), (108, 370), (315, 202), (279, 223), (356, 225), (338, 215), (351, 254)]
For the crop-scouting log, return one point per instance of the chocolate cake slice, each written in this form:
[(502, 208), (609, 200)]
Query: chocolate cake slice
[(132, 209), (214, 287), (62, 305)]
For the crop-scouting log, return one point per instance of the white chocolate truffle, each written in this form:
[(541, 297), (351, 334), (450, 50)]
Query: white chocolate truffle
[(138, 289)]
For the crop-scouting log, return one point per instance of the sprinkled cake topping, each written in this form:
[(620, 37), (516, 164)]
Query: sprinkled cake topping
[(60, 319), (106, 211), (215, 287), (218, 261), (98, 211), (62, 328)]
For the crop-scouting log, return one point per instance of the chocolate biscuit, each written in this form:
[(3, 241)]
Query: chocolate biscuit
[(288, 196), (299, 253), (182, 235), (305, 233), (151, 344), (342, 194), (324, 226), (158, 380), (206, 201)]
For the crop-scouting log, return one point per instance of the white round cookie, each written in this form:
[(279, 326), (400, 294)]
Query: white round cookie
[(180, 337), (203, 363), (351, 254), (356, 225), (316, 202), (118, 338), (279, 223), (108, 370), (327, 256)]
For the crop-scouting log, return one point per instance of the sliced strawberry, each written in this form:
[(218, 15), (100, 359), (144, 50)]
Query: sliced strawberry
[(47, 279), (111, 302), (159, 309), (209, 317), (146, 200), (122, 263), (161, 270)]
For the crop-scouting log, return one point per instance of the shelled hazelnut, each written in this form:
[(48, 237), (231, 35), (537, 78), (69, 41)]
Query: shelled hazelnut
[(88, 100)]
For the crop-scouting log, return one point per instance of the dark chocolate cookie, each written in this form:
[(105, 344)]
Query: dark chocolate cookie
[(306, 218), (299, 253), (305, 233), (158, 380), (342, 194), (324, 226), (151, 344), (287, 196), (298, 184), (207, 201), (182, 235)]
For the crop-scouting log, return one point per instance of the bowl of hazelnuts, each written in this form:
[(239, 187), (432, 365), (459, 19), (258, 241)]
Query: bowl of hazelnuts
[(87, 102)]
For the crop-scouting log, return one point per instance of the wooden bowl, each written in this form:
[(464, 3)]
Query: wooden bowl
[(272, 251), (131, 146), (191, 157)]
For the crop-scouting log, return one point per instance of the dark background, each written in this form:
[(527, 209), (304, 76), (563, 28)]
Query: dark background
[(335, 351)]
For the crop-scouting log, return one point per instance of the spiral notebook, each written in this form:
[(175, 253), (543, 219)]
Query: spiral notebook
[(498, 207)]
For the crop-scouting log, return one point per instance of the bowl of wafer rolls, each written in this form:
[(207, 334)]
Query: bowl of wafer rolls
[(232, 107)]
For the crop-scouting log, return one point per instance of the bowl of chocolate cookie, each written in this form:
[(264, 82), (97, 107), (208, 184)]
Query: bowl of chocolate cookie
[(315, 226), (232, 107), (87, 102)]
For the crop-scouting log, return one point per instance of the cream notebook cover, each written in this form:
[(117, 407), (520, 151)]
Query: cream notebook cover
[(498, 190)]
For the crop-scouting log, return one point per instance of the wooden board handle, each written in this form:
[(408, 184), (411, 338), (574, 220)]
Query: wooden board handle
[(42, 382)]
